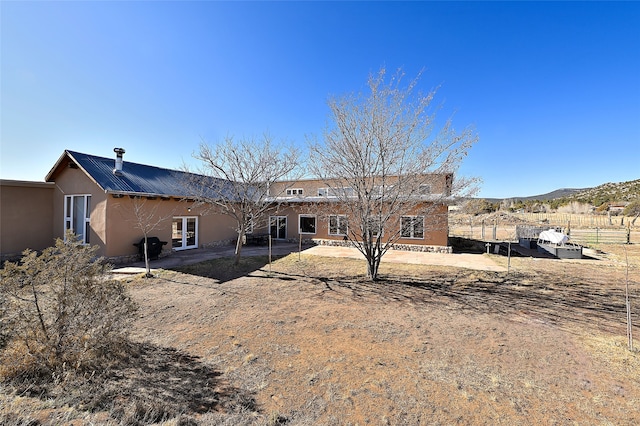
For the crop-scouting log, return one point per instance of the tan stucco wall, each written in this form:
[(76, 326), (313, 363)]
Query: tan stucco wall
[(438, 183), (26, 210), (75, 182), (436, 222), (123, 229)]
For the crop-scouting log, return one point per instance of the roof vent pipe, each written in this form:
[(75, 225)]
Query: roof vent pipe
[(118, 170)]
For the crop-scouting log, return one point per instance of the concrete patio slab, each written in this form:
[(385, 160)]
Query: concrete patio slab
[(187, 257), (460, 260)]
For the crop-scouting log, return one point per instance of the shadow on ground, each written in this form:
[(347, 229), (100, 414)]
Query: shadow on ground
[(145, 383), (223, 269), (542, 297)]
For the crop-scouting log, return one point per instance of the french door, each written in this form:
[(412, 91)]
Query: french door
[(278, 227), (184, 232)]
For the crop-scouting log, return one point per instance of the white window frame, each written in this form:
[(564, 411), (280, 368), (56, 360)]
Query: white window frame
[(250, 225), (185, 237), (275, 220), (69, 219), (412, 227), (315, 224), (339, 218), (344, 191), (374, 222), (295, 191)]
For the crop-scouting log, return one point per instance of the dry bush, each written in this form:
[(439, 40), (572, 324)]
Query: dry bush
[(59, 313)]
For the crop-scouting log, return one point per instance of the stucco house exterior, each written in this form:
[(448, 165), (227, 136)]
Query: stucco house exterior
[(308, 209), (106, 201), (26, 216)]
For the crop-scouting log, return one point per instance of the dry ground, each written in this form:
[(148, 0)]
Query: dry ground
[(312, 342)]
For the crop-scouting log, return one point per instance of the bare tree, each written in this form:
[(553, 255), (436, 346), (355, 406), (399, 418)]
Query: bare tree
[(384, 159), (147, 219), (236, 177)]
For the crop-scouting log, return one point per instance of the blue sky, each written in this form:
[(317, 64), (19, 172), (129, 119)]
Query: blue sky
[(552, 88)]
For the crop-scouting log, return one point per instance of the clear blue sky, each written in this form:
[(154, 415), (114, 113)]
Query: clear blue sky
[(552, 88)]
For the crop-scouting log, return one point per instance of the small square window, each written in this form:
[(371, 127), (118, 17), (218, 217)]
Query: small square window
[(294, 191), (307, 224), (425, 189)]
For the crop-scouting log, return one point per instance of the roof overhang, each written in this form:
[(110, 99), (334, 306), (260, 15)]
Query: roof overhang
[(61, 163)]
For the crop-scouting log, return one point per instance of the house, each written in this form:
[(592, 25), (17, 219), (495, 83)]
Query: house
[(312, 210), (108, 202), (26, 216)]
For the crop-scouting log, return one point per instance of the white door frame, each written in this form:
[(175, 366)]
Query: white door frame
[(277, 219), (181, 242)]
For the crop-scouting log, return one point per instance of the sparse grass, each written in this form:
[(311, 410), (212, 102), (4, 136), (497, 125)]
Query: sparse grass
[(313, 342)]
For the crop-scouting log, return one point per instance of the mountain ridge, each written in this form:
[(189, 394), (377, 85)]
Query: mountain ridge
[(609, 192)]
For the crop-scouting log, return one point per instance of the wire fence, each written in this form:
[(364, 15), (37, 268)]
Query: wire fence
[(578, 220), (582, 229)]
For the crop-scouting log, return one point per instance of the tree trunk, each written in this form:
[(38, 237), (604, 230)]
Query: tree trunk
[(238, 248), (372, 269), (146, 259)]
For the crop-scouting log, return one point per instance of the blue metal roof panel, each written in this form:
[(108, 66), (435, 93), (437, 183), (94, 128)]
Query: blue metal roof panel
[(134, 178)]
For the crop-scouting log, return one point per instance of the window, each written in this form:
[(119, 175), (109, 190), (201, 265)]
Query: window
[(336, 192), (412, 226), (337, 225), (307, 224), (249, 225), (294, 191), (374, 227), (77, 209), (380, 190), (278, 227), (425, 189)]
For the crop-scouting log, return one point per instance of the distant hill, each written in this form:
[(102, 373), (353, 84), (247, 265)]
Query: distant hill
[(609, 193), (605, 193), (558, 193)]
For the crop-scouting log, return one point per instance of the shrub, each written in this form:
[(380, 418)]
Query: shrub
[(632, 209), (59, 311)]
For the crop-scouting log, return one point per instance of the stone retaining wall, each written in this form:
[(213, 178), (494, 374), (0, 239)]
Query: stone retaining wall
[(404, 247)]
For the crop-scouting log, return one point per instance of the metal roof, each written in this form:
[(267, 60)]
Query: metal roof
[(135, 178)]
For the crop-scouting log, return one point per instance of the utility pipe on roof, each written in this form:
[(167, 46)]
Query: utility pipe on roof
[(119, 153)]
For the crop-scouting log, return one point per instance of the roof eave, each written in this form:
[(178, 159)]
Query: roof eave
[(66, 153), (143, 194)]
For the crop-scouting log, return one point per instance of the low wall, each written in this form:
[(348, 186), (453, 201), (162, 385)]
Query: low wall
[(403, 247)]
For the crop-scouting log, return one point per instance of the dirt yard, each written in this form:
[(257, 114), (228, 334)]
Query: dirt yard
[(310, 342), (428, 345)]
